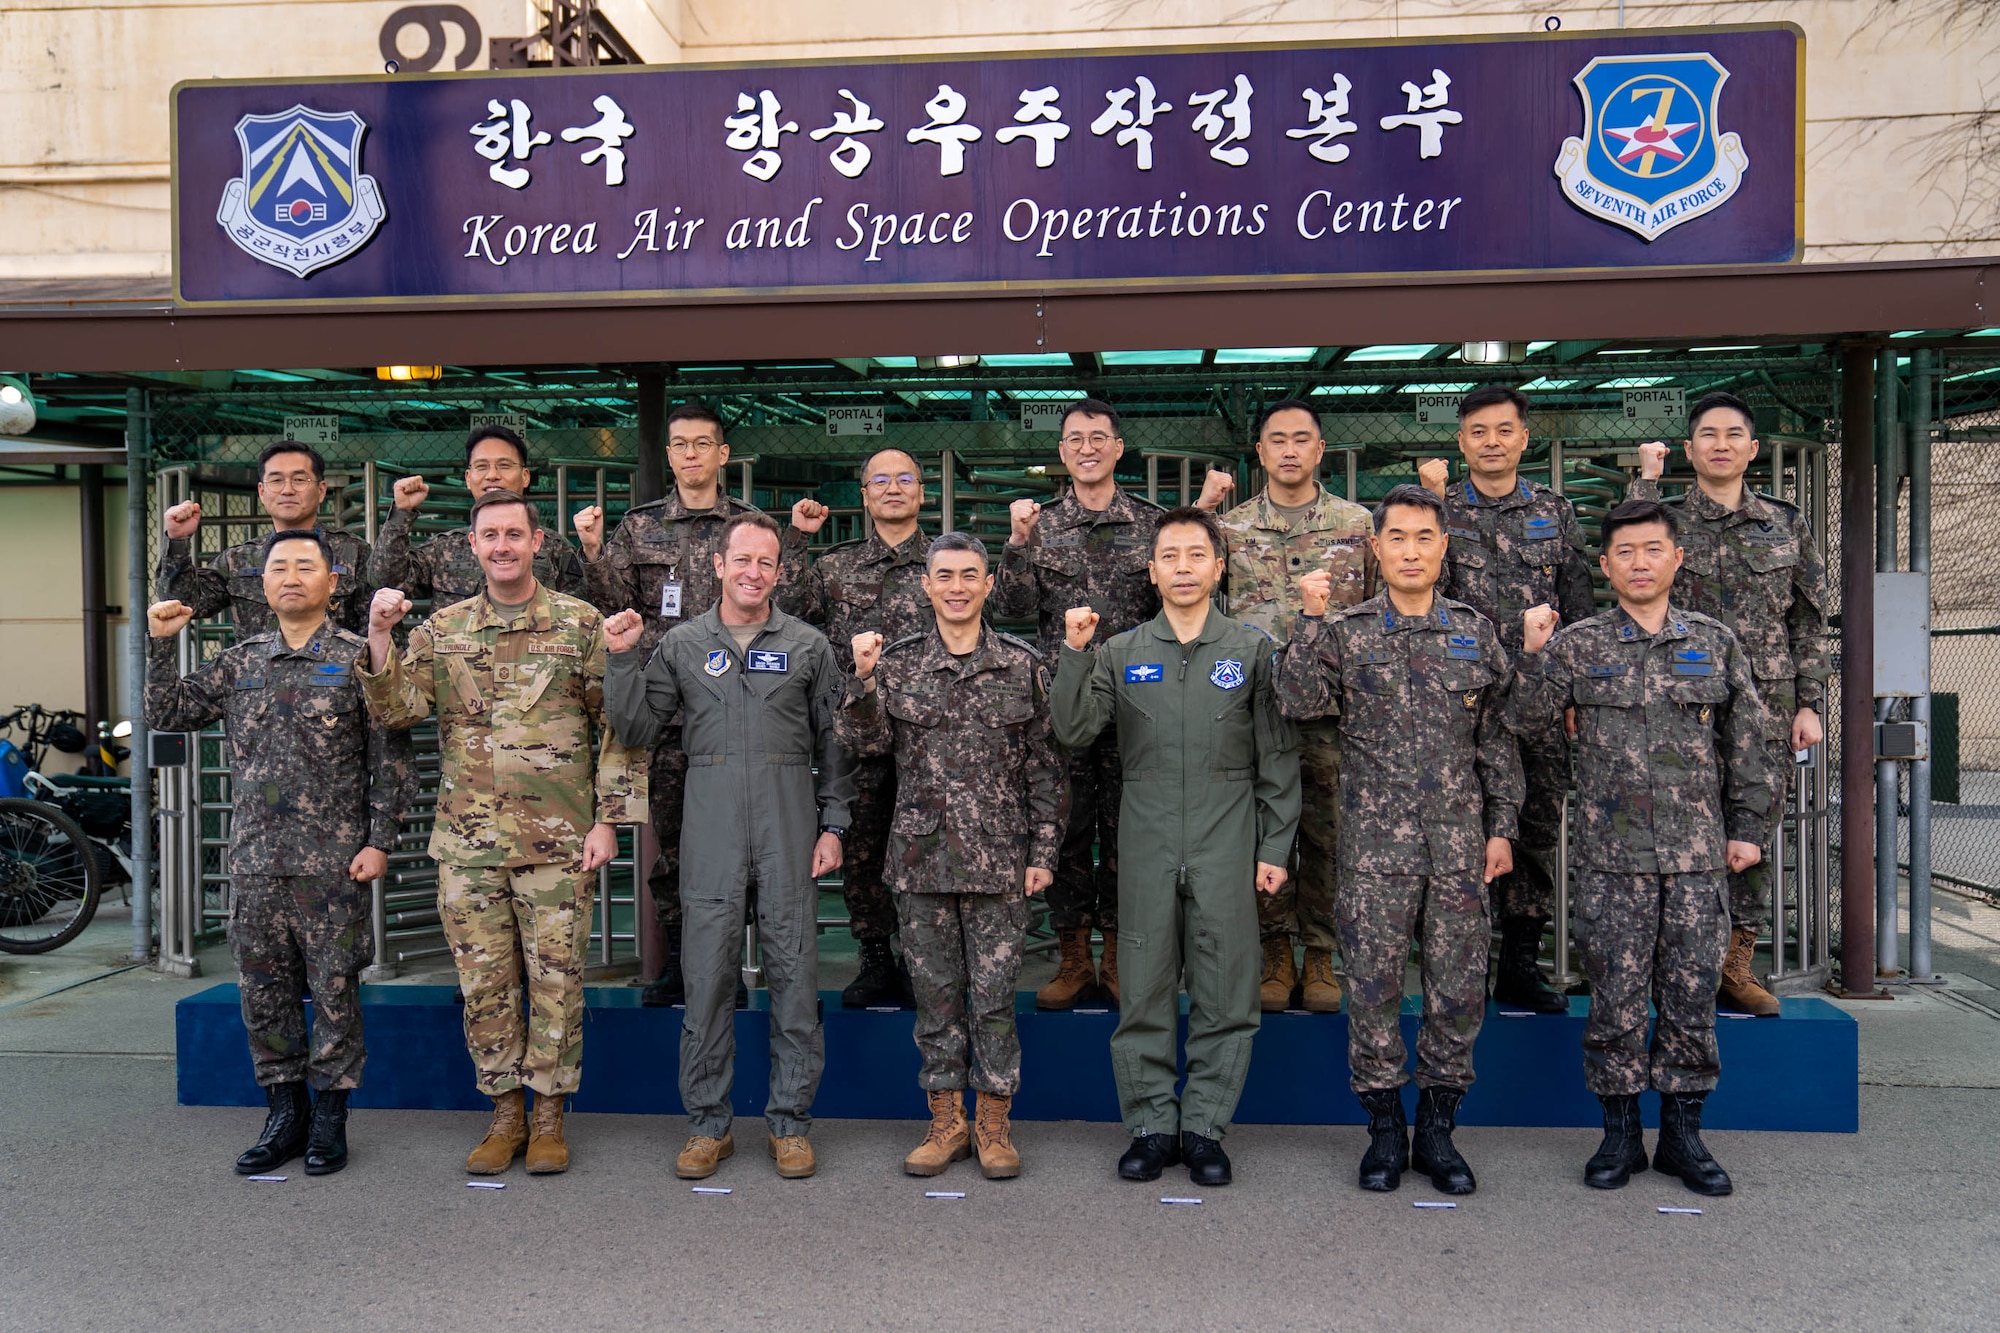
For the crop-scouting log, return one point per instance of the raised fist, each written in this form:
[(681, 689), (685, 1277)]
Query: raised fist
[(1079, 624), (867, 652), (1653, 459), (589, 524), (1215, 488), (387, 610), (1434, 474), (182, 520), (1316, 590), (622, 631), (1024, 514), (808, 515), (411, 492), (1537, 624), (166, 619)]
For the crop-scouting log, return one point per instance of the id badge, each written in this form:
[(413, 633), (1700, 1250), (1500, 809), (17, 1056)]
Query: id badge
[(670, 601)]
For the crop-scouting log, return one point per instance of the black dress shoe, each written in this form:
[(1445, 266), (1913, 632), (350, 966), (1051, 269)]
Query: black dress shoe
[(1149, 1155), (285, 1129), (326, 1144), (1207, 1164)]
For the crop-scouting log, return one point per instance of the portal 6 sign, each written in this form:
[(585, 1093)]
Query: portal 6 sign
[(1157, 167)]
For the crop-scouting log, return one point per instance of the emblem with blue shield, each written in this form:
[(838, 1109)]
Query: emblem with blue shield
[(717, 663), (302, 201), (1228, 674), (1651, 155)]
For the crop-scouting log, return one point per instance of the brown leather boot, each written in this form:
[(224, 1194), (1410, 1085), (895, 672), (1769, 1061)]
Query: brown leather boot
[(1740, 990), (1073, 976), (997, 1158), (1107, 967), (701, 1156), (947, 1141), (505, 1137), (1322, 989), (1275, 992), (548, 1151)]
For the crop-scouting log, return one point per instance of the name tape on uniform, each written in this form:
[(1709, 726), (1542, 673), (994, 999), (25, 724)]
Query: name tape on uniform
[(763, 659)]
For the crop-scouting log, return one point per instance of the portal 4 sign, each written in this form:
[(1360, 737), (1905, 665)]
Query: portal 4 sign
[(1231, 165)]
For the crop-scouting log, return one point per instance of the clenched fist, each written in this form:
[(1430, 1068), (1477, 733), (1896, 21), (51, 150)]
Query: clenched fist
[(1653, 459), (1215, 488), (166, 619), (1742, 855), (1079, 624), (867, 652), (1024, 514), (387, 610), (411, 492), (1037, 880), (808, 516), (1270, 878), (1537, 624), (1316, 590), (182, 520), (1434, 474), (622, 631), (589, 524)]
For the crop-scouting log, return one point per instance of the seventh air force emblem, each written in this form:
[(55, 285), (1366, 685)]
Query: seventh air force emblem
[(1651, 156)]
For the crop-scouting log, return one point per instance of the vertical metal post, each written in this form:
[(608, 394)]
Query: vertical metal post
[(1353, 477), (649, 482), (745, 488), (370, 508), (947, 492), (1187, 476), (1564, 977), (1920, 707), (138, 457), (1153, 479), (1857, 669), (96, 662), (1556, 466), (562, 499), (1888, 450)]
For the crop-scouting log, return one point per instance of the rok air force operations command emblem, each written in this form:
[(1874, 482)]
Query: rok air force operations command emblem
[(1651, 156), (302, 202)]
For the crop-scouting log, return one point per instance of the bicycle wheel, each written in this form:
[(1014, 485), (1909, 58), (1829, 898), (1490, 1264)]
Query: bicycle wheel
[(49, 879)]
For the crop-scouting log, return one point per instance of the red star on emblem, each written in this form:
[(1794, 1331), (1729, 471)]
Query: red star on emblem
[(1648, 138)]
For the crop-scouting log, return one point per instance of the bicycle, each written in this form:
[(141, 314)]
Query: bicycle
[(57, 853)]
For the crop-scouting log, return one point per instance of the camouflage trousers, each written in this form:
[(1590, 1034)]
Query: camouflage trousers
[(1379, 919), (516, 929), (1529, 890), (871, 908), (1085, 893), (666, 792), (290, 935), (964, 951), (1657, 937), (1750, 892), (1305, 908)]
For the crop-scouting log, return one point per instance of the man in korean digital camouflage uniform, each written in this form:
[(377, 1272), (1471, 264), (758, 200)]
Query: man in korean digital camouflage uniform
[(1211, 805), (661, 563), (318, 792), (524, 816), (1674, 789), (1514, 544), (1428, 805), (1092, 547), (1294, 527), (1753, 565), (444, 568), (963, 712), (876, 585), (291, 487)]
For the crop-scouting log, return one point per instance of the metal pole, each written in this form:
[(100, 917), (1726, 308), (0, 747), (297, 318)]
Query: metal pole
[(1920, 707), (1153, 478), (96, 663), (1353, 479), (947, 492), (1563, 977), (1857, 669), (1888, 487), (1556, 466), (138, 451), (562, 500), (370, 509), (649, 482)]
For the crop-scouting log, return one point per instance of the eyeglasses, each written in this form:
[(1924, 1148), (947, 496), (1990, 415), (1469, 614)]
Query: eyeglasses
[(881, 481), (690, 446), (487, 467), (1097, 439)]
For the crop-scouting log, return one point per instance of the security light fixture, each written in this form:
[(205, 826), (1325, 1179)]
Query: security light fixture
[(946, 362), (1493, 354), (409, 372), (17, 407)]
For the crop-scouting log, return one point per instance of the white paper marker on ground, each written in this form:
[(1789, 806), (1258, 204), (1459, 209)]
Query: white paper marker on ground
[(486, 1184), (272, 1179)]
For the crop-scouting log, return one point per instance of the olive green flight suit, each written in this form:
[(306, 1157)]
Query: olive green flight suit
[(1211, 776)]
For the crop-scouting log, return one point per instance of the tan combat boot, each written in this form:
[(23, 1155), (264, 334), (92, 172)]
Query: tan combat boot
[(1740, 990), (548, 1151), (997, 1158), (1107, 966), (702, 1155), (505, 1137), (1275, 992), (1322, 990), (1073, 976), (794, 1156), (947, 1141)]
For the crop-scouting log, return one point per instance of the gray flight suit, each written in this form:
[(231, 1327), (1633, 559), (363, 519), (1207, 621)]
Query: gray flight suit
[(753, 724), (1211, 775)]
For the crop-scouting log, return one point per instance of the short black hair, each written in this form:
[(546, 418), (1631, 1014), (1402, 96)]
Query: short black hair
[(1635, 514), (1095, 407), (496, 431), (1719, 398), (1286, 405), (693, 411), (313, 535), (749, 518), (271, 451), (1491, 395), (1200, 518), (1409, 496), (494, 499), (956, 541)]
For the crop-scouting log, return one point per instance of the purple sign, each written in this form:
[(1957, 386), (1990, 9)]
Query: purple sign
[(1233, 164)]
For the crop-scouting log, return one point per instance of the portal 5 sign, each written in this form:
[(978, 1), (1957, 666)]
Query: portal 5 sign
[(1652, 154)]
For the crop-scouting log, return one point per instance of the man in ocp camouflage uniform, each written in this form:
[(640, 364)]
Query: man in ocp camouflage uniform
[(1297, 526), (318, 791), (1751, 563), (1674, 788), (1429, 802), (963, 712), (524, 818)]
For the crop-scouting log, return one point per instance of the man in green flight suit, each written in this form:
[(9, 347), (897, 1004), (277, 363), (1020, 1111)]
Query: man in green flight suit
[(1210, 807)]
